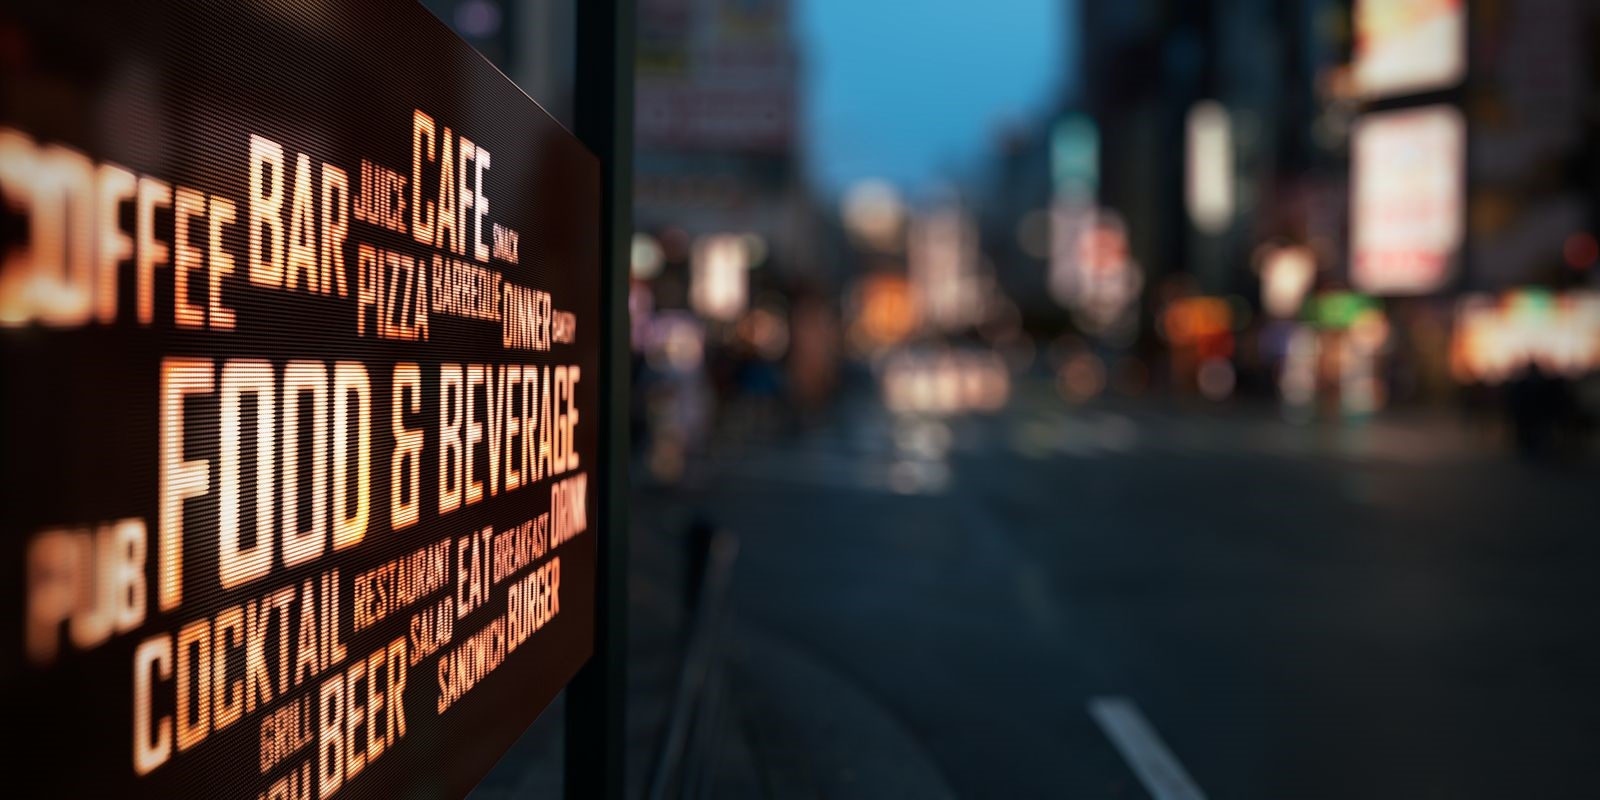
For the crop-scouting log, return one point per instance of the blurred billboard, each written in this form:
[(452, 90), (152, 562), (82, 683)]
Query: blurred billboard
[(1409, 46), (1406, 199)]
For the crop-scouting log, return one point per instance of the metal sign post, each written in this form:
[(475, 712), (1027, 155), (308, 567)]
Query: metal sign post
[(595, 746)]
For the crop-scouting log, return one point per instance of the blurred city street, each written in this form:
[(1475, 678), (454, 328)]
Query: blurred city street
[(924, 607), (1134, 399), (688, 399)]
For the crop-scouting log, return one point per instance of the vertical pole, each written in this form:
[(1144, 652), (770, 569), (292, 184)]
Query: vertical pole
[(603, 120)]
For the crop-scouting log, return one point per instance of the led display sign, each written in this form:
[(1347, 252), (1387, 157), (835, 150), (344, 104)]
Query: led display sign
[(298, 337)]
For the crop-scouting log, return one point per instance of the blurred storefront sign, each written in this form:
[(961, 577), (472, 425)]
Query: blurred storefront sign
[(1075, 158), (719, 277), (1339, 310), (645, 257), (1407, 199), (1496, 338), (1209, 167), (1335, 355), (874, 214), (1409, 46), (1201, 322), (1287, 274), (942, 258), (945, 382), (300, 331), (1092, 272), (1201, 332), (885, 312)]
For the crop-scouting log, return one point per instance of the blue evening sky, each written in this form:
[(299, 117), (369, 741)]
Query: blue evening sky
[(915, 91)]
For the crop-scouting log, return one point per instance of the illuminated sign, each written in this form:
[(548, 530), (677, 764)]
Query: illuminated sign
[(1407, 199), (1075, 158), (1287, 274), (719, 276), (945, 382), (886, 311), (297, 326), (1092, 272), (1339, 310), (942, 261), (1407, 46), (1208, 173), (1496, 339)]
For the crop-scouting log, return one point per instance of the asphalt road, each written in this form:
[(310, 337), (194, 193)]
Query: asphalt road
[(928, 607)]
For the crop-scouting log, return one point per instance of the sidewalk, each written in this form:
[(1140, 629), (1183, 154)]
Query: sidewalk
[(784, 723)]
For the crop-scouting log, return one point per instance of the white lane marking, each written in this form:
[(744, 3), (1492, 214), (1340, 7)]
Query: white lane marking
[(1160, 772)]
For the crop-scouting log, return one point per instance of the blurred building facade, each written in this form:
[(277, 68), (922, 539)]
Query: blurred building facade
[(1299, 103), (717, 130), (1150, 63), (1206, 149)]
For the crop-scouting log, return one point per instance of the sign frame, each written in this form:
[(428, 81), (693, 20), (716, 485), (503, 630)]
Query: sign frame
[(603, 110)]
